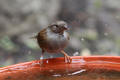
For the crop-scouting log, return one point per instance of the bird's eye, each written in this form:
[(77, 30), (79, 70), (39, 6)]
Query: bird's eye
[(54, 26)]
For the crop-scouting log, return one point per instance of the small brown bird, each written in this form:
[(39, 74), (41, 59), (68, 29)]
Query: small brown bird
[(54, 39)]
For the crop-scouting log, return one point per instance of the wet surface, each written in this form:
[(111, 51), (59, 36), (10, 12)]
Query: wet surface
[(81, 68)]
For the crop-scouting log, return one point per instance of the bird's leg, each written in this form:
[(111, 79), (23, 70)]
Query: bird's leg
[(66, 56), (41, 57)]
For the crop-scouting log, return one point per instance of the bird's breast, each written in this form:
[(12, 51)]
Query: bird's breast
[(56, 42)]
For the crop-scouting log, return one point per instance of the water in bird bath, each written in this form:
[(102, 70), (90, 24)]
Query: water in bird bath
[(85, 73), (80, 69), (92, 75)]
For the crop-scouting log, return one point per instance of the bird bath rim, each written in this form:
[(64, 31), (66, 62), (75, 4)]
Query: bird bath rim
[(59, 66)]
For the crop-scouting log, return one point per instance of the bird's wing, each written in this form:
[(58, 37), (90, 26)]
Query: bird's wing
[(42, 34)]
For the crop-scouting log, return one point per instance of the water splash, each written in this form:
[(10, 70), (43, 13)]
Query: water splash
[(76, 54)]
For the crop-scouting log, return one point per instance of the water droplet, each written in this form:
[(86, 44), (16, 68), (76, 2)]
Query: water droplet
[(106, 34), (82, 39), (56, 75), (47, 61), (41, 57), (76, 54)]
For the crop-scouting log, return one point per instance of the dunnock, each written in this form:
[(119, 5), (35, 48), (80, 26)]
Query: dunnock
[(54, 39)]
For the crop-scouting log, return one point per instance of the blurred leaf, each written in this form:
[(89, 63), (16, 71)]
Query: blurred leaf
[(9, 61), (7, 44), (90, 34), (31, 44), (98, 3), (118, 41), (85, 52)]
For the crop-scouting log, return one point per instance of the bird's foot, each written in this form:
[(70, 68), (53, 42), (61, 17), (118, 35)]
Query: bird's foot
[(67, 58)]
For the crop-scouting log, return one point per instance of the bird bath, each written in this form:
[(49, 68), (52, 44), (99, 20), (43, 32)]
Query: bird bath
[(81, 68)]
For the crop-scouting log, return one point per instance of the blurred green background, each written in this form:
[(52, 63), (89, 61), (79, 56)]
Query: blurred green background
[(95, 27)]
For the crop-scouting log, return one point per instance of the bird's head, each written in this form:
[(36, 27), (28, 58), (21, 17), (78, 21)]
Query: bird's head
[(58, 27)]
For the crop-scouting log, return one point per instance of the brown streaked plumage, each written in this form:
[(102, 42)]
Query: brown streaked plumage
[(54, 39)]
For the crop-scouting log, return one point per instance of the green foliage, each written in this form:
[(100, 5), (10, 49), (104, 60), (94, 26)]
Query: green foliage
[(31, 43), (98, 3), (7, 44)]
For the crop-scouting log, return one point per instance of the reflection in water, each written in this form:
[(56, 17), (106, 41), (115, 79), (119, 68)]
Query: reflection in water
[(77, 72), (56, 75), (91, 76), (82, 61), (47, 61), (85, 74)]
